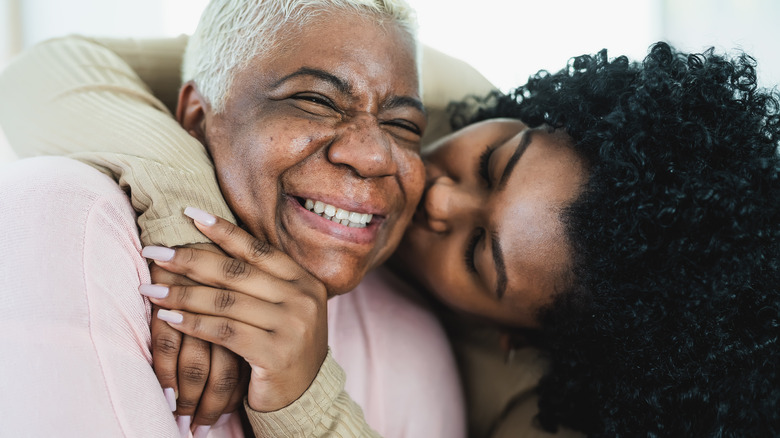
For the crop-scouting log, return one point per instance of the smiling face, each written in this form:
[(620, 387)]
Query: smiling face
[(317, 148), (487, 238)]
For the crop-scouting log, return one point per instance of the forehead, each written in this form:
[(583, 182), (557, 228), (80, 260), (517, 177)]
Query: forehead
[(547, 178), (366, 51)]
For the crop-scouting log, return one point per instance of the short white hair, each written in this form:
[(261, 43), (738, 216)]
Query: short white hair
[(231, 33)]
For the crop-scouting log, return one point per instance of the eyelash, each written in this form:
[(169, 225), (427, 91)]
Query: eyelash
[(406, 125), (484, 160), (471, 248)]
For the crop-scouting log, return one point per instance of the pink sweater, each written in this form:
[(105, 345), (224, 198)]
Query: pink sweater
[(74, 331)]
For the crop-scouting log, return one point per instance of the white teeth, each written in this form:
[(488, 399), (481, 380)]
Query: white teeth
[(338, 215), (330, 210)]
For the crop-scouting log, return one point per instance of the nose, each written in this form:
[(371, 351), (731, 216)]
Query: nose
[(448, 204), (362, 145)]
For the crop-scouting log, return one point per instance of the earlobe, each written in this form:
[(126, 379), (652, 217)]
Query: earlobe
[(191, 111)]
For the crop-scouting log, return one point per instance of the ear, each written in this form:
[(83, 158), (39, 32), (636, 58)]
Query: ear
[(191, 111)]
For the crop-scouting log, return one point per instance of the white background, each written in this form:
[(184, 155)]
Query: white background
[(507, 40)]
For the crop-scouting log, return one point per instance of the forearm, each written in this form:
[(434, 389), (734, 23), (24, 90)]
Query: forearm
[(73, 97), (324, 410)]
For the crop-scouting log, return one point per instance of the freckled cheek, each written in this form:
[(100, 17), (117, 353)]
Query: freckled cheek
[(413, 179)]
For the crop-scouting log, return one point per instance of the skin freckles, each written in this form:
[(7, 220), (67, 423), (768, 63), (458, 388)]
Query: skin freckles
[(487, 238), (339, 123)]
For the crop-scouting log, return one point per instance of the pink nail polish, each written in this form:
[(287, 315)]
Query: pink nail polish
[(169, 316), (170, 397), (159, 253), (153, 290), (184, 422), (200, 216), (201, 431)]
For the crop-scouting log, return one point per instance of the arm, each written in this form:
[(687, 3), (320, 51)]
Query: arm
[(71, 96), (325, 409)]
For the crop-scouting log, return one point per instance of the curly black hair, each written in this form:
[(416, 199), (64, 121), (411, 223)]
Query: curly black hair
[(671, 326)]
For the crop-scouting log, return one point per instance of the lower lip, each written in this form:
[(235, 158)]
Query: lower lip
[(342, 232)]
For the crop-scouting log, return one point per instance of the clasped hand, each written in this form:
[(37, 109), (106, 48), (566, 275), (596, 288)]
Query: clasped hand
[(254, 301)]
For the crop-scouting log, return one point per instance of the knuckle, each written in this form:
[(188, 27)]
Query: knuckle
[(193, 373), (167, 344), (259, 250), (185, 405), (183, 293), (224, 300), (226, 330), (234, 269), (224, 385)]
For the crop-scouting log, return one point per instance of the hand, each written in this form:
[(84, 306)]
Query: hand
[(259, 303), (210, 380)]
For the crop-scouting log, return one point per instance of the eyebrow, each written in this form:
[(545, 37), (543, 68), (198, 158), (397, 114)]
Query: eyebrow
[(405, 101), (340, 84), (498, 261), (510, 165)]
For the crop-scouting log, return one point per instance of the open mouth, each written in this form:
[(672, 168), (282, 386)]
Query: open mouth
[(338, 215)]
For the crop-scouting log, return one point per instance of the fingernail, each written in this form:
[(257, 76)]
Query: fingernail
[(200, 216), (159, 253), (170, 397), (153, 290), (169, 316), (184, 425), (202, 431)]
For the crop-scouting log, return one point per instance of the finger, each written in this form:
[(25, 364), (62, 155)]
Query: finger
[(166, 343), (255, 250), (162, 276), (223, 380), (193, 372), (243, 339), (236, 401), (218, 270), (219, 302)]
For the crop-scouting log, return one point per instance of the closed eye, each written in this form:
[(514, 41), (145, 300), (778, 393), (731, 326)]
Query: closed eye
[(315, 103), (483, 170), (405, 124), (471, 248)]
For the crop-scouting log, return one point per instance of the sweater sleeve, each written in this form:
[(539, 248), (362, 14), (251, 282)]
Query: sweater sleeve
[(324, 410), (71, 96)]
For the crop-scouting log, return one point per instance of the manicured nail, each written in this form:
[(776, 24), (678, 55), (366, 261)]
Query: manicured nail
[(169, 316), (159, 253), (170, 397), (153, 290), (200, 216), (184, 425), (201, 431)]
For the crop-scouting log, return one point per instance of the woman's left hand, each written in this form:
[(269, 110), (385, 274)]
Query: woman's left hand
[(260, 304)]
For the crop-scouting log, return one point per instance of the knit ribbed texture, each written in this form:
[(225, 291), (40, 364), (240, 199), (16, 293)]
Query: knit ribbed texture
[(89, 104), (323, 410)]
